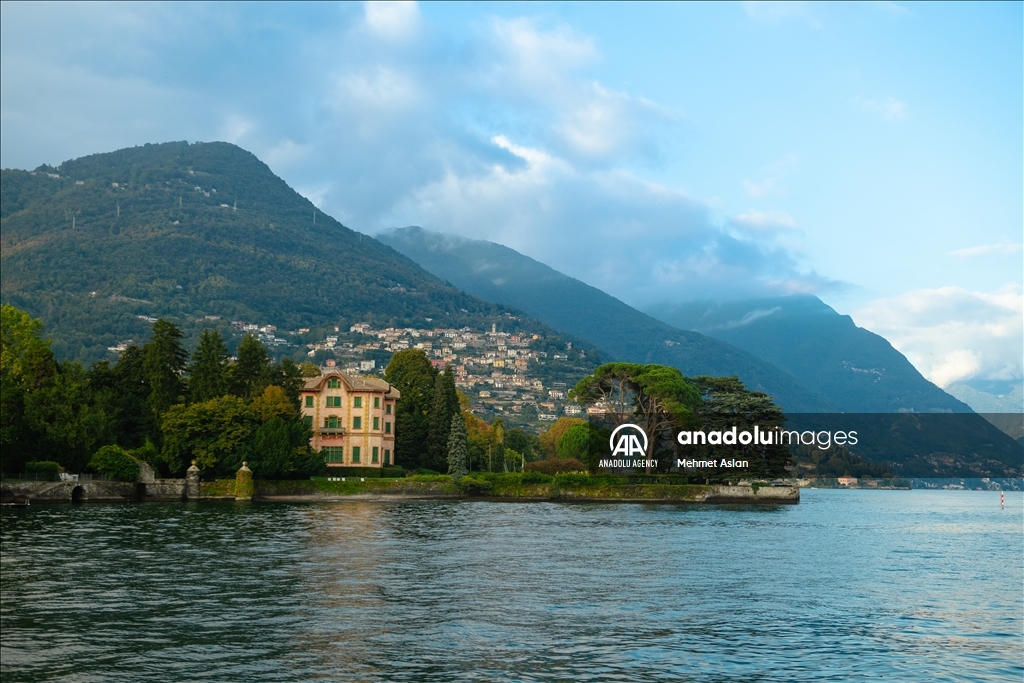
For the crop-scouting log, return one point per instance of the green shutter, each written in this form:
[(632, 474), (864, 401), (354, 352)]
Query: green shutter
[(355, 454)]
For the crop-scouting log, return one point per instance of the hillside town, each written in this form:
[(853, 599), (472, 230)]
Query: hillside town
[(523, 376)]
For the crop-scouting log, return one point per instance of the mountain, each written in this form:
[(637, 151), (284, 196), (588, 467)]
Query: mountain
[(100, 245), (1005, 411), (946, 440), (823, 350), (502, 275)]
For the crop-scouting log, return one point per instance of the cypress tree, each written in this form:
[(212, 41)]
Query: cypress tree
[(165, 360), (457, 448), (208, 371), (445, 404)]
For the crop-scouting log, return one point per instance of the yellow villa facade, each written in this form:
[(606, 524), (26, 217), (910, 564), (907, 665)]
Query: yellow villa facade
[(352, 418)]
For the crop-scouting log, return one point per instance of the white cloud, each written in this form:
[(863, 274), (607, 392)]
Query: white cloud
[(394, 21), (951, 334), (508, 137), (766, 221), (987, 249), (889, 109)]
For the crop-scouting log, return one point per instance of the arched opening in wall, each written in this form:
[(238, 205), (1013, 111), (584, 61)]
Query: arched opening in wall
[(140, 492), (77, 494)]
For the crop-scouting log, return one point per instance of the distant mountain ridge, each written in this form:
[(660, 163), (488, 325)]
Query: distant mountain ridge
[(823, 350), (791, 341), (499, 274)]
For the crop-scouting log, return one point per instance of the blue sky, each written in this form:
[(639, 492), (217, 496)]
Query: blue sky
[(869, 153)]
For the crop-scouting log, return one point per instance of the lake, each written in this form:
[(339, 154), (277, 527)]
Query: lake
[(847, 585)]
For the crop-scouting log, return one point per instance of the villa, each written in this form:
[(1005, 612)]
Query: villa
[(352, 418)]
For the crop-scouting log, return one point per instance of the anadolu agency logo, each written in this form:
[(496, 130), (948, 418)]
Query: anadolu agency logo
[(628, 444)]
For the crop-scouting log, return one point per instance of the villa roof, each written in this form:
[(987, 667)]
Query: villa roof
[(353, 383)]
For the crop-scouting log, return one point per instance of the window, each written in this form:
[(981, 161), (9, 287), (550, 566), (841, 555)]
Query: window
[(374, 455), (357, 423), (333, 454), (387, 456), (333, 422), (309, 401), (308, 419), (334, 383), (387, 409), (376, 401), (376, 423), (387, 427), (357, 402), (334, 401), (355, 454)]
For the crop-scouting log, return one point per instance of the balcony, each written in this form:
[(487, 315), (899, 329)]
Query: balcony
[(331, 431)]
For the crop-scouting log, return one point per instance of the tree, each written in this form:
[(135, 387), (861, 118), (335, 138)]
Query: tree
[(273, 451), (289, 377), (527, 445), (26, 365), (165, 359), (457, 451), (215, 433), (549, 437), (727, 403), (444, 405), (208, 373), (309, 370), (575, 443), (496, 448), (656, 397), (273, 402), (412, 374), (250, 373)]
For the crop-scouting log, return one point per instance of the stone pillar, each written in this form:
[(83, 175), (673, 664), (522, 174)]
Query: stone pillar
[(243, 483), (192, 482)]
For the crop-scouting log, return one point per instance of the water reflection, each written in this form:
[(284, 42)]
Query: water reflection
[(893, 585)]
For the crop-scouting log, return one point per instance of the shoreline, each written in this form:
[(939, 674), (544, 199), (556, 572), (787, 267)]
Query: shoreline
[(297, 491)]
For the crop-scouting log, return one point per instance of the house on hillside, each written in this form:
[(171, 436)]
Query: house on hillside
[(352, 418)]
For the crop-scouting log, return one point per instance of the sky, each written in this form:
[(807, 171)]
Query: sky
[(867, 153)]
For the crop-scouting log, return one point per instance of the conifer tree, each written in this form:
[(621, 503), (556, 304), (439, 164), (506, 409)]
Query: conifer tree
[(249, 375), (165, 360), (445, 404), (208, 371), (457, 448)]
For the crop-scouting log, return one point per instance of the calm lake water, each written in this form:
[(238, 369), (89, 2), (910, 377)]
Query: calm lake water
[(848, 585)]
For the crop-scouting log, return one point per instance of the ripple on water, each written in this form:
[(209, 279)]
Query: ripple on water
[(909, 586)]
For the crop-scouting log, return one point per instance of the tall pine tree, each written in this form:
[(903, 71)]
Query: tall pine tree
[(208, 373), (164, 360)]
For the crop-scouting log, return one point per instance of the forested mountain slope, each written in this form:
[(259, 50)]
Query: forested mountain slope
[(186, 231)]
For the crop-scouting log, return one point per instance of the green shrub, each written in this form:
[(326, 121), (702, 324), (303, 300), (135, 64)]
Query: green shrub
[(535, 477), (556, 466), (428, 477), (115, 462), (424, 470), (395, 472), (476, 485), (45, 470), (572, 480)]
